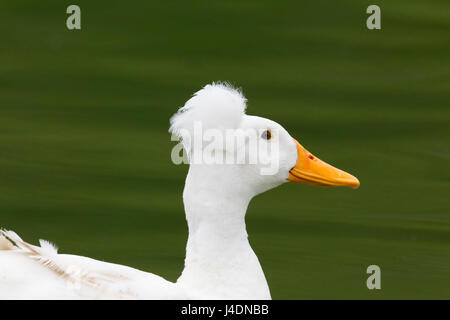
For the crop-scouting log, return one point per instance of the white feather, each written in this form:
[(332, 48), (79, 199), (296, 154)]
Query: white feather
[(47, 248), (217, 106), (5, 243)]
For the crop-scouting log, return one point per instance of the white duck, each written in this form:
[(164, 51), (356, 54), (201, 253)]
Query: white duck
[(220, 263)]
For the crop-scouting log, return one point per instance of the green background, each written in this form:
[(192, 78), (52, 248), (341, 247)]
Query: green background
[(85, 149)]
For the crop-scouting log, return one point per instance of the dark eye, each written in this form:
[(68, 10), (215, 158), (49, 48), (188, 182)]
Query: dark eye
[(266, 135)]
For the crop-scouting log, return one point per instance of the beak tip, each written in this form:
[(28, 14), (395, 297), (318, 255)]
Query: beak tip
[(355, 184)]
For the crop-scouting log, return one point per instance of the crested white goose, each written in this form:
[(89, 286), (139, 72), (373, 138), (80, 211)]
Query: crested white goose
[(219, 263)]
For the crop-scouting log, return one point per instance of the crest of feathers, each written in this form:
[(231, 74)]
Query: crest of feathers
[(216, 106)]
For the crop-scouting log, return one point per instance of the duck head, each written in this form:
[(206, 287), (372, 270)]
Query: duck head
[(245, 152)]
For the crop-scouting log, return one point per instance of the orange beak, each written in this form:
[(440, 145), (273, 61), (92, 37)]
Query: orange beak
[(312, 170)]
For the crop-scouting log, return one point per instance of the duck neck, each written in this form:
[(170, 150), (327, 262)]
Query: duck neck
[(220, 262)]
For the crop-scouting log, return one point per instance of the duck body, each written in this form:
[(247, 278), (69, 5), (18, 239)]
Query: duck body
[(45, 274), (219, 262)]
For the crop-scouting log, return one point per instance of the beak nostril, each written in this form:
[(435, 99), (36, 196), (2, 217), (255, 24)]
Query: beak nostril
[(311, 157)]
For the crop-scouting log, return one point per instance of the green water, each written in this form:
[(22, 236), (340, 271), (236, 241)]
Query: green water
[(85, 152)]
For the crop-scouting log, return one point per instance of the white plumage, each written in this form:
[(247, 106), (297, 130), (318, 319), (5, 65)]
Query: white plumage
[(219, 264)]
